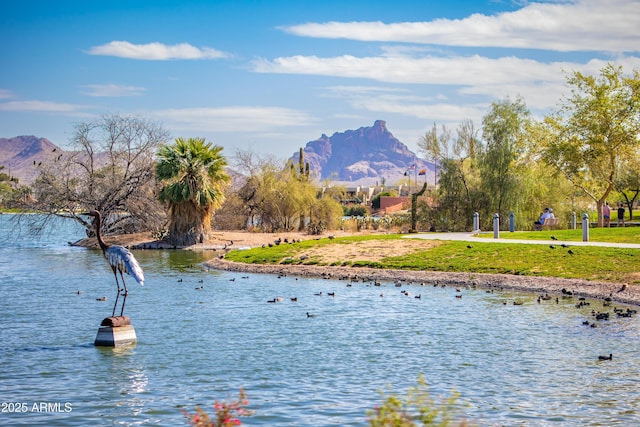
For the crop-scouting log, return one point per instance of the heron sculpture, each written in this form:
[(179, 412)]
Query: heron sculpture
[(121, 260)]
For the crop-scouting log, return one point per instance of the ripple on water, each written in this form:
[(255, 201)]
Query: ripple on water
[(534, 364)]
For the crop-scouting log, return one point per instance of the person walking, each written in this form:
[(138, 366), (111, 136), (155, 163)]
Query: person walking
[(606, 214), (620, 215)]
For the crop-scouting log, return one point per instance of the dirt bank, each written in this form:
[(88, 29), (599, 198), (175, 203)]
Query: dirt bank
[(242, 239)]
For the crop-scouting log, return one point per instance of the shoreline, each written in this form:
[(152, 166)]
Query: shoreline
[(617, 292)]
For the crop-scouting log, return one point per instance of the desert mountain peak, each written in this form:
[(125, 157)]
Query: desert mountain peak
[(361, 156)]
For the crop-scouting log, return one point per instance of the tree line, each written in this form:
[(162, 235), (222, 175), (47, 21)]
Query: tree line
[(581, 155), (584, 154)]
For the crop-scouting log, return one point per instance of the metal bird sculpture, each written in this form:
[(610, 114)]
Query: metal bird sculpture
[(120, 260)]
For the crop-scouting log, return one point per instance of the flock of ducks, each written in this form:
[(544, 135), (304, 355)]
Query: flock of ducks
[(280, 240), (582, 302), (598, 316), (353, 279)]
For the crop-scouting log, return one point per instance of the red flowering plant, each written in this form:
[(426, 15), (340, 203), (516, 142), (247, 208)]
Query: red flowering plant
[(227, 414)]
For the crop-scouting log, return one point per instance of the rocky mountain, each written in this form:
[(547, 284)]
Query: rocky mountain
[(21, 155), (364, 156)]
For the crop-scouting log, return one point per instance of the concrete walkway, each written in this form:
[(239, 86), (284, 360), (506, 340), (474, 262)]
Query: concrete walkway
[(469, 237)]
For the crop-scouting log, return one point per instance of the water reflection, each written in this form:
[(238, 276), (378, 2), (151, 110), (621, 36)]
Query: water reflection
[(534, 364), (138, 382)]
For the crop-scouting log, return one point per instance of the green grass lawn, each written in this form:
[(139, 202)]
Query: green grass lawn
[(616, 235), (592, 263)]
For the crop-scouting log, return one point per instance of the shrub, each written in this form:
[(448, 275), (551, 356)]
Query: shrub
[(356, 210), (226, 414), (418, 408)]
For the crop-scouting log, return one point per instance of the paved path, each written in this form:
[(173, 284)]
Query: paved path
[(468, 237)]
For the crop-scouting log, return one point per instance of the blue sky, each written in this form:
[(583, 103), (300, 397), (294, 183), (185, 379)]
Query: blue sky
[(269, 76)]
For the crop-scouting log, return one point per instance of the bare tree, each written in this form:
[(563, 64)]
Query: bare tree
[(111, 169)]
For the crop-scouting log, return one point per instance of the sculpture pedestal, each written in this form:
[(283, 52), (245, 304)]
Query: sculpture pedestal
[(116, 332)]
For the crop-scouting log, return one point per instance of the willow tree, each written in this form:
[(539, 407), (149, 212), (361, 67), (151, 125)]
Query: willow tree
[(458, 178), (595, 135), (285, 199), (436, 145), (193, 175), (501, 163), (280, 197)]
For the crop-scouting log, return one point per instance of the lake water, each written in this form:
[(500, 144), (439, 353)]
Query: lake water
[(534, 364)]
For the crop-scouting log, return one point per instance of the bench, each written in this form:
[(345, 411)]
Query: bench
[(548, 223)]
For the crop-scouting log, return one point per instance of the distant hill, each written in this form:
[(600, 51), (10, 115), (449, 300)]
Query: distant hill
[(363, 157), (21, 155)]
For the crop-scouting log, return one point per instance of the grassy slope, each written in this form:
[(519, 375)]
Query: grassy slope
[(593, 263)]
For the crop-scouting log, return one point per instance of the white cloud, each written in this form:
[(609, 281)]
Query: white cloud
[(471, 70), (112, 90), (446, 87), (364, 90), (5, 94), (429, 112), (41, 107), (155, 51), (388, 101), (233, 119), (582, 25), (373, 94), (540, 84)]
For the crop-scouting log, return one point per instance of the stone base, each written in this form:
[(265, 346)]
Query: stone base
[(116, 321), (115, 336)]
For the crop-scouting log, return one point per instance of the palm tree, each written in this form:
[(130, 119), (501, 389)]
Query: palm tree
[(192, 173)]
